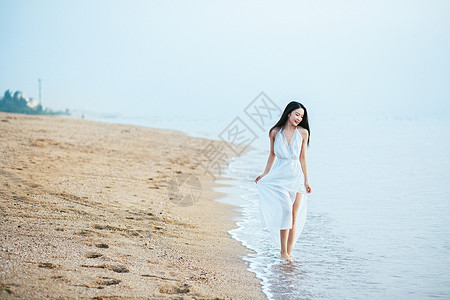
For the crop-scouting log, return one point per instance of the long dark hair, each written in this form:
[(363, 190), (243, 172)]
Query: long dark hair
[(293, 105)]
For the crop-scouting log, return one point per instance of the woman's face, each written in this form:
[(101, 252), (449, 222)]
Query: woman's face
[(296, 116)]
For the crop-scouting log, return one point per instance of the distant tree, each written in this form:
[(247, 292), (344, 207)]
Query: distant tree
[(17, 103), (17, 95), (7, 96)]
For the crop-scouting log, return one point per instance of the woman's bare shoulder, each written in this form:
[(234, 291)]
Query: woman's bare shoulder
[(274, 132), (302, 131)]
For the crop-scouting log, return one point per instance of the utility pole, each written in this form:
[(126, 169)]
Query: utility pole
[(40, 103)]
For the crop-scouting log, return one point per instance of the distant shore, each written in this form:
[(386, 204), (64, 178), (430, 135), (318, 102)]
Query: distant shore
[(90, 209)]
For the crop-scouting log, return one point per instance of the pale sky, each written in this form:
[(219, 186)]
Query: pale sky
[(214, 57)]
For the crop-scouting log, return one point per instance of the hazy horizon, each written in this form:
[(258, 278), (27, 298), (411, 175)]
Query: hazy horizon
[(206, 58)]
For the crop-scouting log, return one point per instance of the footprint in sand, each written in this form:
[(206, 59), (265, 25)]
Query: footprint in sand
[(85, 232), (119, 269), (93, 254), (46, 265), (101, 283), (8, 288), (169, 288), (105, 281)]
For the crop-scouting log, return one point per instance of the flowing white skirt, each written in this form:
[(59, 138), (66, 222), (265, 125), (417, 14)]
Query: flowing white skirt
[(277, 192)]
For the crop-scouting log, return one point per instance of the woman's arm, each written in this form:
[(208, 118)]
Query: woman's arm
[(303, 159), (272, 156)]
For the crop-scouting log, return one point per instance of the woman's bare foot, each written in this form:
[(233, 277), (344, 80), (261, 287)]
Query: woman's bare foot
[(286, 257), (292, 258)]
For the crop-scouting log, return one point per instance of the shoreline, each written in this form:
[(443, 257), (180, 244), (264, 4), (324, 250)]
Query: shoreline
[(86, 212)]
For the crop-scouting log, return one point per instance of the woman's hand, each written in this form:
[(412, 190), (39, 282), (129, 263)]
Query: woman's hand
[(308, 187), (259, 177)]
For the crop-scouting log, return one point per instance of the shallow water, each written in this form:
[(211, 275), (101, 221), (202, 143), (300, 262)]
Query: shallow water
[(378, 222)]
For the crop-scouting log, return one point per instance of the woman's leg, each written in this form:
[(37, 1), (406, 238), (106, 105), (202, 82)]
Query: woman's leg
[(284, 238), (291, 235)]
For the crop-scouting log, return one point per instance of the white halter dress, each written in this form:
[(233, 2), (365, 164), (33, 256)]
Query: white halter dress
[(277, 189)]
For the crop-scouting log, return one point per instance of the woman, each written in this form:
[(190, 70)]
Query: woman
[(282, 188)]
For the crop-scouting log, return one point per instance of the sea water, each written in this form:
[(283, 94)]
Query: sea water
[(378, 222)]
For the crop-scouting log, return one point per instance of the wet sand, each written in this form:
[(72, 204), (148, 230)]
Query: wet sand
[(93, 210)]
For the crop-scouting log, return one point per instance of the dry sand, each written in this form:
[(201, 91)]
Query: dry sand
[(85, 213)]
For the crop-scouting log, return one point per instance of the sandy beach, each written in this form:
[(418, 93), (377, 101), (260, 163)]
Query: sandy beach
[(90, 210)]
